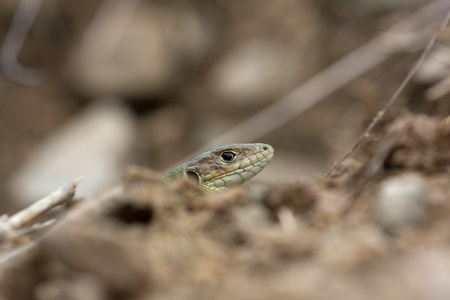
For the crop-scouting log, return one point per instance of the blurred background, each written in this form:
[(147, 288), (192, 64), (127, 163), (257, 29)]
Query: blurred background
[(88, 86)]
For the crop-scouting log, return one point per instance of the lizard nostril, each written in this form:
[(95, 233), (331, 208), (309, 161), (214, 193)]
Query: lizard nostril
[(193, 176), (265, 148)]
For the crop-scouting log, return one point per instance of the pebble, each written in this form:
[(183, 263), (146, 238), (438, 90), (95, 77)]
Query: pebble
[(95, 143), (143, 56), (254, 73), (401, 203), (435, 67)]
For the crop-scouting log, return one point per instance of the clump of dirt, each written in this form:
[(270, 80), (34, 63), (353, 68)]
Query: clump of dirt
[(324, 239)]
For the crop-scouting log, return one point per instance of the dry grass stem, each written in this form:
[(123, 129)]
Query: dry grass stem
[(401, 87), (14, 225), (398, 38)]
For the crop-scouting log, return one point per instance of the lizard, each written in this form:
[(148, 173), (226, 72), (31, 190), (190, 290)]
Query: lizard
[(223, 167)]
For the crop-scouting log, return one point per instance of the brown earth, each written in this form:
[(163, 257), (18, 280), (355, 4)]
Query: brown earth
[(147, 238)]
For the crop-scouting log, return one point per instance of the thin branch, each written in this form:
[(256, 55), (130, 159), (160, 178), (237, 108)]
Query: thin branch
[(398, 38), (10, 225), (87, 206), (402, 86)]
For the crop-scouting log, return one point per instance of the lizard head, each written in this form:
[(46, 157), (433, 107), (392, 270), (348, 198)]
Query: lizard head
[(229, 165)]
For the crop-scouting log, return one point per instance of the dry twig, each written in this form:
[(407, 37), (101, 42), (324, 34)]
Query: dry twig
[(401, 87), (398, 38), (11, 226)]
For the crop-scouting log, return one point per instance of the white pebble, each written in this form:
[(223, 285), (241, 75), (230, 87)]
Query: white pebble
[(400, 203)]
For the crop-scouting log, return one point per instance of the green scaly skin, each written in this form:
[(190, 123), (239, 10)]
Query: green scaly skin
[(216, 171)]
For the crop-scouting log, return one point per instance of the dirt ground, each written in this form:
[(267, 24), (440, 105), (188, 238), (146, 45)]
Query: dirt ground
[(377, 228)]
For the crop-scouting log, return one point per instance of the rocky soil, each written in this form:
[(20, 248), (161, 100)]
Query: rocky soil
[(117, 107)]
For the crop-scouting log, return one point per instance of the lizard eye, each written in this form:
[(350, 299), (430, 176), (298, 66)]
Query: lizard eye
[(227, 156)]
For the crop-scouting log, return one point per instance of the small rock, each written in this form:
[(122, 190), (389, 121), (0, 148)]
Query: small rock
[(435, 67), (144, 55), (400, 204), (96, 143), (254, 73)]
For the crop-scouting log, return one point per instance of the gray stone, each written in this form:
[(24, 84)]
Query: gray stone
[(137, 51), (401, 203), (254, 73), (96, 143)]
